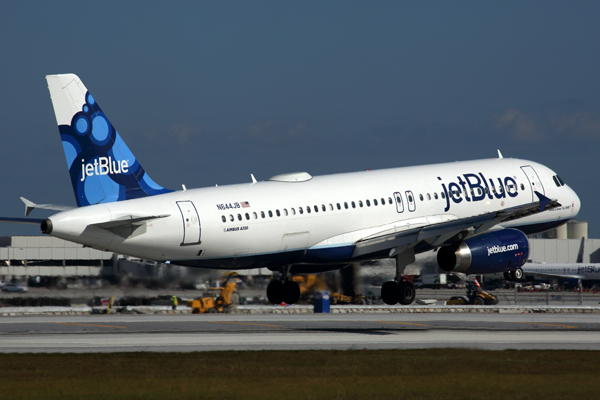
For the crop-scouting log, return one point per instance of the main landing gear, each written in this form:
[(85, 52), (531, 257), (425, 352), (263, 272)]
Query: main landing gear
[(286, 291), (400, 290)]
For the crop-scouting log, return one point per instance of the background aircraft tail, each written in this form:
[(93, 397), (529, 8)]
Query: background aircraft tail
[(102, 167)]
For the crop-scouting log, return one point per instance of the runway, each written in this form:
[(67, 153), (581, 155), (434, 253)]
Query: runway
[(186, 333)]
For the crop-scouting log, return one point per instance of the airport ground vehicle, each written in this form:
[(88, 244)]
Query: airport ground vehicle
[(9, 287), (474, 296), (220, 299)]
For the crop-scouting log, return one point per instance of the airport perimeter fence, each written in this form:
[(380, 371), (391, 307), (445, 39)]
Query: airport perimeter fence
[(512, 297)]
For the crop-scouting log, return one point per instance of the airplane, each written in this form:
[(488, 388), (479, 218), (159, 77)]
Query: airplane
[(588, 271), (579, 270), (477, 213)]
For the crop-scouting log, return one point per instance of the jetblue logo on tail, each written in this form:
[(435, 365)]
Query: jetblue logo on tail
[(103, 166)]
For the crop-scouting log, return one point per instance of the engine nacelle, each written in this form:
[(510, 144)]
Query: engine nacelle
[(489, 253)]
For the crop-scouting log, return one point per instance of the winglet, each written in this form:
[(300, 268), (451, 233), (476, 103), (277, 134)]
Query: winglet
[(543, 200), (499, 154)]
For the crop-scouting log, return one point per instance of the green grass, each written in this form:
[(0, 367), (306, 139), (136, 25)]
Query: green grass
[(352, 374)]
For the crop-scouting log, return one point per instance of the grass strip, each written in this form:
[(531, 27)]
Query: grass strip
[(352, 374)]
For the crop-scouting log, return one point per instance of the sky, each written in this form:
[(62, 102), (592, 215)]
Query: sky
[(208, 93)]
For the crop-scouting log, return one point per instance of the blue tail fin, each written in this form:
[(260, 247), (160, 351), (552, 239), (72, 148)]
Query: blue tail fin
[(102, 167)]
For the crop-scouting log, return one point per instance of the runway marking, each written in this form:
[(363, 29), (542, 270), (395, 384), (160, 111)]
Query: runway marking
[(101, 326), (539, 323), (401, 323), (245, 323)]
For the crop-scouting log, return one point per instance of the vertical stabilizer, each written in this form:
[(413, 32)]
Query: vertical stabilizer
[(102, 167)]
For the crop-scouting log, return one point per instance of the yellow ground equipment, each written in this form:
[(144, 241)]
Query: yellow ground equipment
[(338, 298), (218, 300), (475, 296)]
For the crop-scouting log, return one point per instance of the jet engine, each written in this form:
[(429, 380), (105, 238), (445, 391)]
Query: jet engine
[(492, 252)]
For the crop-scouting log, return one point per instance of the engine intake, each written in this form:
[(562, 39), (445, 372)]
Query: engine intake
[(489, 253)]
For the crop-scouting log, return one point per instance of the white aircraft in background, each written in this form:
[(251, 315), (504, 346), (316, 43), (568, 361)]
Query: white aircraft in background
[(579, 270), (476, 212), (562, 271)]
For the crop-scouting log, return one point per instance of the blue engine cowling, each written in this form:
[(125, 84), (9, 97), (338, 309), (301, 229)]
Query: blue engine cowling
[(492, 252)]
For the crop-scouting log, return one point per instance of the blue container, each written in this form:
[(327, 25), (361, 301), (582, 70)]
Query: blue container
[(321, 302)]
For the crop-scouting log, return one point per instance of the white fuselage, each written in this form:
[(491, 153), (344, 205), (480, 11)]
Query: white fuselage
[(268, 223), (563, 271)]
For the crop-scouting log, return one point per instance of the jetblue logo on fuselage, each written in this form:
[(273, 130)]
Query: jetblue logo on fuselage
[(103, 166), (475, 187)]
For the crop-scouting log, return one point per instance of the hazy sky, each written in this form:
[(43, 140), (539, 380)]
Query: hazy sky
[(206, 93)]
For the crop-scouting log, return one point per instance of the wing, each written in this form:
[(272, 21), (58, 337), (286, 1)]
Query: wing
[(438, 234)]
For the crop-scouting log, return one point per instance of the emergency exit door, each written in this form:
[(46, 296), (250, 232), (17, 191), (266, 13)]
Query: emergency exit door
[(191, 223)]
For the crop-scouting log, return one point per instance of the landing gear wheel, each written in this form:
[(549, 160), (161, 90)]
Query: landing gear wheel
[(275, 292), (389, 293), (507, 276), (291, 292), (406, 293), (518, 275)]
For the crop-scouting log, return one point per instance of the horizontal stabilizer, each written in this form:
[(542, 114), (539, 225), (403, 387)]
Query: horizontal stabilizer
[(128, 226), (27, 221), (128, 220), (30, 206)]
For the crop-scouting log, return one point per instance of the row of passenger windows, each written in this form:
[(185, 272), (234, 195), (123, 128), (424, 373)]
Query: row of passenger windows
[(352, 204), (308, 209)]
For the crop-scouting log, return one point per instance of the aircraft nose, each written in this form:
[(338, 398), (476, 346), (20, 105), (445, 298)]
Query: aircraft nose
[(575, 202)]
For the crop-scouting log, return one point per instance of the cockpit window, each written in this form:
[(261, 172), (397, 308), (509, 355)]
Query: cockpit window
[(560, 180), (556, 182)]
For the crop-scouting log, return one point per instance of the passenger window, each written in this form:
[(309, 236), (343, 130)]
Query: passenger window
[(323, 207), (254, 215), (330, 207), (353, 205), (398, 199), (262, 214), (421, 197), (223, 218), (487, 190), (428, 196), (338, 206), (316, 208), (360, 203), (285, 213), (278, 213), (382, 202), (239, 217), (410, 198), (443, 195), (435, 196), (231, 217), (300, 210), (368, 203), (308, 209), (390, 200), (374, 202), (522, 187), (270, 214), (293, 211), (345, 205), (247, 216)]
